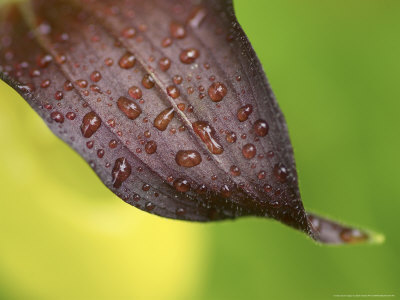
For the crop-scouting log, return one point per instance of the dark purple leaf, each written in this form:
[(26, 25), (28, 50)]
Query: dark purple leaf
[(167, 102)]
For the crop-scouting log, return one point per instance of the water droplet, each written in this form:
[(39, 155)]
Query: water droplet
[(148, 81), (181, 185), (100, 153), (129, 108), (145, 187), (244, 112), (58, 95), (181, 106), (127, 61), (180, 211), (177, 79), (173, 91), (164, 118), (149, 206), (261, 175), (135, 92), (45, 83), (267, 188), (121, 171), (44, 60), (71, 115), (150, 147), (113, 144), (68, 86), (95, 76), (225, 191), (129, 32), (188, 158), (235, 171), (261, 128), (281, 172), (231, 137), (249, 151), (189, 56), (90, 144), (217, 91), (207, 135), (164, 63), (90, 124), (166, 42), (352, 236), (57, 117), (82, 83), (177, 30)]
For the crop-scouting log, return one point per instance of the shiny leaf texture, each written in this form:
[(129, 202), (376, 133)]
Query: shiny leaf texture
[(167, 102)]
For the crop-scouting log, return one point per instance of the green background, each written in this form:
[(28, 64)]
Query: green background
[(334, 66)]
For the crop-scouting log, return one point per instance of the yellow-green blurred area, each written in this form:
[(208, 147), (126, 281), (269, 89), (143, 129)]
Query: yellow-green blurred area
[(334, 66)]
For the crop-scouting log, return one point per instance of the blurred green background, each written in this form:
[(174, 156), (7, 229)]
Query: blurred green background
[(335, 68)]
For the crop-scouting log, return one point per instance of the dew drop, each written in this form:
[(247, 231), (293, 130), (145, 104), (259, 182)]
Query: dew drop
[(207, 135), (127, 61), (217, 91), (121, 171), (231, 137), (180, 211), (244, 112), (163, 119), (129, 32), (148, 81), (164, 63), (90, 124), (261, 128), (100, 153), (95, 76), (57, 117), (71, 115), (58, 95), (173, 91), (135, 92), (150, 147), (68, 86), (225, 191), (249, 151), (188, 158), (166, 42), (129, 108), (281, 172), (177, 30), (181, 185), (189, 56), (235, 171)]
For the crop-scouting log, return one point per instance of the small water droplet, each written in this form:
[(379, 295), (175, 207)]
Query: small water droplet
[(57, 117), (244, 112), (181, 185), (164, 63), (177, 30), (281, 172), (231, 137), (135, 92), (100, 153), (150, 147), (71, 115), (129, 32), (95, 76), (235, 171)]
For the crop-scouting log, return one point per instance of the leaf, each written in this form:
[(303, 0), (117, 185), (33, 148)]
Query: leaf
[(167, 102)]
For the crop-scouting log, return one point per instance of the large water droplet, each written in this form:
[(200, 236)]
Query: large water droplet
[(281, 172), (217, 91), (163, 119), (261, 128), (90, 123), (188, 158), (127, 61), (148, 81), (129, 108), (189, 56), (121, 171), (249, 151), (207, 135)]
